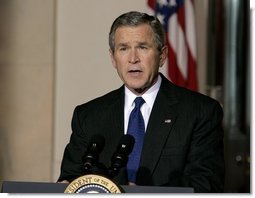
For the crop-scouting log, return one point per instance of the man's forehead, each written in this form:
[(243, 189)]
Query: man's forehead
[(136, 34)]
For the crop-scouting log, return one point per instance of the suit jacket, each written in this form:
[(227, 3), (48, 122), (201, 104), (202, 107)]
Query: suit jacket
[(183, 145)]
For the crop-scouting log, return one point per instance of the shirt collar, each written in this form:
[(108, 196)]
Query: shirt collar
[(149, 96)]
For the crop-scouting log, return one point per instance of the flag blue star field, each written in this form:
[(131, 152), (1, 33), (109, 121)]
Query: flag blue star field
[(178, 20)]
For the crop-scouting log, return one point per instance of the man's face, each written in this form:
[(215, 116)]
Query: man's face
[(136, 57)]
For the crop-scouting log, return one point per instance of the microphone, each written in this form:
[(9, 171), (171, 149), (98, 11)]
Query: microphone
[(120, 156), (95, 147)]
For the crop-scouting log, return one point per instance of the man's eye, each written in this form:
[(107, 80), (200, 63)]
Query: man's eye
[(123, 49), (143, 47)]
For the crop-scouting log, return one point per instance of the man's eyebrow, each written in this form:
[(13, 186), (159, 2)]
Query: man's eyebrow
[(122, 44), (138, 43), (143, 43)]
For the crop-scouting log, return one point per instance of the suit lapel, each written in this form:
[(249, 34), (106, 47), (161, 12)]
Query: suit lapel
[(160, 123)]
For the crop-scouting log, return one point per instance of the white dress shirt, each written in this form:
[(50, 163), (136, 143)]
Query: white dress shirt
[(149, 97)]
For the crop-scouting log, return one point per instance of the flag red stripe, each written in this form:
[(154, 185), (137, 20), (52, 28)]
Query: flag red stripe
[(152, 4)]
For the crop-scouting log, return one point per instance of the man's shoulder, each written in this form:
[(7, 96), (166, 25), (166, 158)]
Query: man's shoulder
[(104, 100), (194, 97), (185, 95)]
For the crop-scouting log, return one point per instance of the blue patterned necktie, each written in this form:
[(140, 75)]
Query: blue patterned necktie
[(136, 128)]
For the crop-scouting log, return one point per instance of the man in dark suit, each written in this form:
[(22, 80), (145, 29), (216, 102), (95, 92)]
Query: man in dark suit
[(183, 142)]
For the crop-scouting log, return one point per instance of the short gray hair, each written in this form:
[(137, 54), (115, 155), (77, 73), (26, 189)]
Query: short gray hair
[(135, 18)]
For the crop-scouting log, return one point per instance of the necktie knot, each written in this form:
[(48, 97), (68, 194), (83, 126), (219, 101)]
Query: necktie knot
[(139, 102)]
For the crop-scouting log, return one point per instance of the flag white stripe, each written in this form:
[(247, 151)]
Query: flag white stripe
[(150, 11), (177, 41), (190, 27)]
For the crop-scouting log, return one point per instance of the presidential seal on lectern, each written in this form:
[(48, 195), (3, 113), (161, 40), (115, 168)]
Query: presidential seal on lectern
[(93, 184)]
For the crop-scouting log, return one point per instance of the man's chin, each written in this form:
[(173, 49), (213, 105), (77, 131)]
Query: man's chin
[(138, 90)]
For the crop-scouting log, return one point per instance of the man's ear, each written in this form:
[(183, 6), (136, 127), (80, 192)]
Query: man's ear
[(112, 58), (163, 56)]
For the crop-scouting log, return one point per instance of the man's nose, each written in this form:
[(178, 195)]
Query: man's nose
[(133, 56)]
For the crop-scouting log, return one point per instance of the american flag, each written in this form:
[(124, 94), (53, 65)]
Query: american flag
[(178, 20)]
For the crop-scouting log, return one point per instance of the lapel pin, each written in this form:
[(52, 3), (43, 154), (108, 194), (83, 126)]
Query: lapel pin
[(168, 121)]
